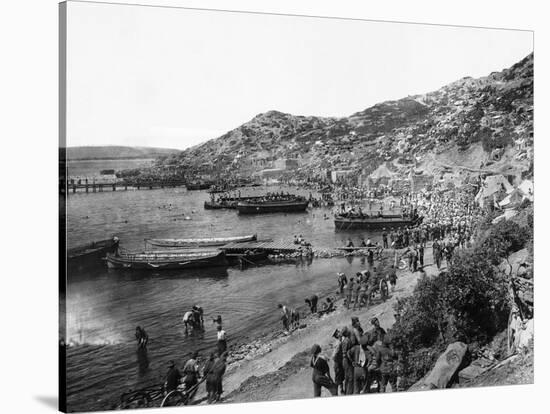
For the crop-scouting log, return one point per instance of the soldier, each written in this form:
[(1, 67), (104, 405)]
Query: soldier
[(436, 251), (386, 357), (342, 280), (349, 291), (338, 359), (321, 373), (346, 362)]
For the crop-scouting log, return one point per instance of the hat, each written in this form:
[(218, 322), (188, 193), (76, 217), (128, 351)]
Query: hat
[(315, 349)]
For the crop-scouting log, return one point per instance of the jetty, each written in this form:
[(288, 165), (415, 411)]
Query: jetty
[(91, 187)]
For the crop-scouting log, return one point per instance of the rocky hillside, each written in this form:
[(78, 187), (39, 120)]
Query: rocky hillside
[(492, 116)]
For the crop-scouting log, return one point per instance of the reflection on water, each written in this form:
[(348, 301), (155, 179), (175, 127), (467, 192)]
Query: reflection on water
[(104, 306)]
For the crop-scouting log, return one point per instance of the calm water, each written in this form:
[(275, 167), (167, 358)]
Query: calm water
[(104, 306)]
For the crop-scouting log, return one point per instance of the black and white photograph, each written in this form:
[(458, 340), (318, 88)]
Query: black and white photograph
[(266, 206)]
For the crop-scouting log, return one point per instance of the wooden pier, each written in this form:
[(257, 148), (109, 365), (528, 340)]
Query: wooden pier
[(270, 247), (73, 187)]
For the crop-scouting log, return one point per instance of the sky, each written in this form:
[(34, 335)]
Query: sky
[(165, 77)]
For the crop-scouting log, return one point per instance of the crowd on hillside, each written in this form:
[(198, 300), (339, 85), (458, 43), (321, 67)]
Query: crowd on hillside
[(365, 362)]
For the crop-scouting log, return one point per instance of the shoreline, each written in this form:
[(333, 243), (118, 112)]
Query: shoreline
[(277, 368)]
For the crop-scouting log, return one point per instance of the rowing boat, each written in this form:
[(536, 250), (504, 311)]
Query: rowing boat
[(293, 205), (90, 254), (373, 222), (206, 242), (166, 259), (354, 248)]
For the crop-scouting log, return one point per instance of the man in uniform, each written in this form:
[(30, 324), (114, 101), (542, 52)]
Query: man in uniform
[(191, 371), (214, 378), (342, 280), (436, 249), (392, 277), (173, 377), (421, 254), (356, 289), (378, 332), (321, 373), (338, 359), (222, 340), (346, 362), (386, 357), (285, 316), (349, 292), (358, 360), (312, 303)]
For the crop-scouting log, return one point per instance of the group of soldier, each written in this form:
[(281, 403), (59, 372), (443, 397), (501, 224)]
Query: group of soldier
[(192, 374), (364, 362), (359, 290)]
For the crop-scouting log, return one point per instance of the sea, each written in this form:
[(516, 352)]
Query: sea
[(104, 306)]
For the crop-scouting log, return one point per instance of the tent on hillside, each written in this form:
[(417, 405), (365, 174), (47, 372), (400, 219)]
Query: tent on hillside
[(508, 214), (526, 187), (494, 187), (513, 199), (381, 176)]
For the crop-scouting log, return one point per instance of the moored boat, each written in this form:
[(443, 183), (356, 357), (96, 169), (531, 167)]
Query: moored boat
[(373, 222), (90, 254), (291, 205), (213, 205), (214, 189), (204, 242), (166, 259), (226, 202), (198, 186)]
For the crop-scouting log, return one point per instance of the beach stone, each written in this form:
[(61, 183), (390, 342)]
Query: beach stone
[(444, 369), (471, 372)]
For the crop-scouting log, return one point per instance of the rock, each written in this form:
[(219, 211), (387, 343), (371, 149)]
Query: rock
[(471, 372), (445, 368)]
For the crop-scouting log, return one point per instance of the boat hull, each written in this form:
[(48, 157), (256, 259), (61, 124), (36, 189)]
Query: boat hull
[(265, 208), (345, 223), (212, 205), (194, 187), (165, 262), (89, 255), (211, 242)]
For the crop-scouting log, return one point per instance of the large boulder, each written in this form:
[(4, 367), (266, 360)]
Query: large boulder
[(444, 369)]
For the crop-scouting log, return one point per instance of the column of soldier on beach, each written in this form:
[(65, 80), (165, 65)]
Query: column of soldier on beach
[(363, 361)]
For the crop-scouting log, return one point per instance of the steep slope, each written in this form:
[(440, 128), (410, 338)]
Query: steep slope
[(477, 115)]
